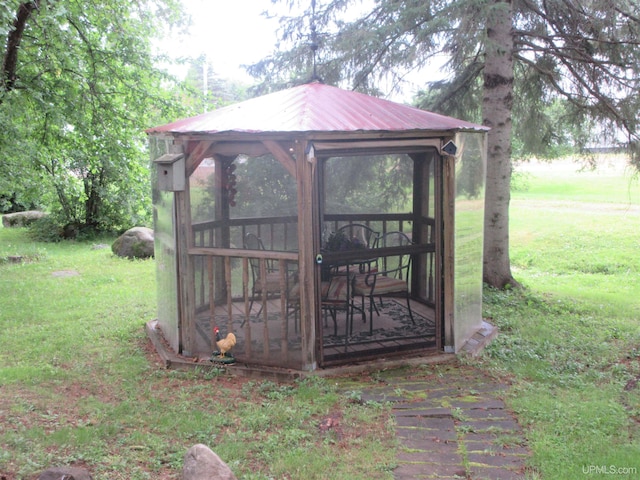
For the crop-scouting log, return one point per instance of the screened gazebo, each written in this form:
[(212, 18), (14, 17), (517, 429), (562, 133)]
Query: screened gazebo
[(321, 226)]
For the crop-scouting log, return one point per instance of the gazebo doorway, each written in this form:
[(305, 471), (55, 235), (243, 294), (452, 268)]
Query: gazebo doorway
[(378, 211)]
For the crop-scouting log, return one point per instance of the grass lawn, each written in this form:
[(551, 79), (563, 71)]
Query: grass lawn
[(79, 384), (570, 340)]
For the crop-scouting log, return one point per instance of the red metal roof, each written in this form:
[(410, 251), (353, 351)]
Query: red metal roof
[(315, 107)]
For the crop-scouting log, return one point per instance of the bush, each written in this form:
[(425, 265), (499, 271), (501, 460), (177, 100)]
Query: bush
[(46, 229), (52, 229)]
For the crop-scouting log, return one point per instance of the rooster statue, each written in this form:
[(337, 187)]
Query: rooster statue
[(224, 346)]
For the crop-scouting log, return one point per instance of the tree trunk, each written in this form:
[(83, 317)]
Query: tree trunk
[(496, 111), (12, 46)]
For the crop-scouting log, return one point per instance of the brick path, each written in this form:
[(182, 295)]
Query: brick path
[(452, 423)]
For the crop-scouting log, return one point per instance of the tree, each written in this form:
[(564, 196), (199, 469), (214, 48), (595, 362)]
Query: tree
[(211, 90), (497, 104), (520, 57), (78, 87)]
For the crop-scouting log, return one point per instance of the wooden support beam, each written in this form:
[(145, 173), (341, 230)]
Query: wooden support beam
[(227, 279), (373, 146), (265, 313), (247, 304), (448, 268), (212, 303), (282, 155), (195, 156), (308, 245), (228, 149), (284, 342), (185, 268)]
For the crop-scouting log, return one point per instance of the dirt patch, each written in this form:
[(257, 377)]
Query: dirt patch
[(613, 165), (65, 273), (332, 425), (578, 207)]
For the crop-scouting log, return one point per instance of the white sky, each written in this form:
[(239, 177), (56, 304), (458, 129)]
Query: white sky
[(233, 33), (230, 32)]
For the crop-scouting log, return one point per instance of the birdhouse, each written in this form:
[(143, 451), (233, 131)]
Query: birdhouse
[(170, 172)]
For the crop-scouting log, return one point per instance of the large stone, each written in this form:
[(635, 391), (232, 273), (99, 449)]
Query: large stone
[(21, 219), (202, 463), (136, 242), (65, 473)]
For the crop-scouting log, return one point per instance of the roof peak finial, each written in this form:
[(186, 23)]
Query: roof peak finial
[(314, 42)]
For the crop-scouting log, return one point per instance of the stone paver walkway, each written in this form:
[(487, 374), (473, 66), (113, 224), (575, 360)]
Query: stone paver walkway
[(452, 423)]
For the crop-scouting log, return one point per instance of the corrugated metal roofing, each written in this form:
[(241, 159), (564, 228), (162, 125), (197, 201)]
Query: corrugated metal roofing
[(315, 107)]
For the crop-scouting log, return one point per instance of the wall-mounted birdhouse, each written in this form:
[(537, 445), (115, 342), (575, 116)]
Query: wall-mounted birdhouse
[(170, 172)]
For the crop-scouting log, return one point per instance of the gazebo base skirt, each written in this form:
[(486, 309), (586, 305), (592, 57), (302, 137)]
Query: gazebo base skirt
[(171, 360)]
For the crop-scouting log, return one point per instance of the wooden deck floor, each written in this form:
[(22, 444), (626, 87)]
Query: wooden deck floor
[(278, 339), (393, 333)]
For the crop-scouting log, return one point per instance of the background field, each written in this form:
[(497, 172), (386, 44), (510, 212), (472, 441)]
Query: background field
[(576, 232), (570, 339)]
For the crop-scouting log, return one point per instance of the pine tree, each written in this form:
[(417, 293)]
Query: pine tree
[(556, 71)]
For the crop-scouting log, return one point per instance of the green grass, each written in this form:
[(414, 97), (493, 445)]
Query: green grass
[(79, 385), (587, 251), (570, 339), (567, 179)]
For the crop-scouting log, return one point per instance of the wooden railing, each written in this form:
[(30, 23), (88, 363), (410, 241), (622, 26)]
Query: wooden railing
[(381, 223), (281, 233), (277, 233), (223, 284), (223, 279)]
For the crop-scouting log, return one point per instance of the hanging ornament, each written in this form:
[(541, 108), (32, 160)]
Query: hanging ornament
[(229, 183)]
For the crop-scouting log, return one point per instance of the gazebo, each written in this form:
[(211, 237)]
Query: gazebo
[(272, 218)]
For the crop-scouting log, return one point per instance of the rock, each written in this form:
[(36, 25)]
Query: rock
[(136, 242), (65, 473), (21, 219), (201, 463)]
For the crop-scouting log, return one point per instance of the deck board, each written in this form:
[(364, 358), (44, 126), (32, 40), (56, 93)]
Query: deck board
[(335, 348)]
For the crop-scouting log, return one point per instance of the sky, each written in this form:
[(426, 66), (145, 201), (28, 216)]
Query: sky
[(230, 32), (233, 33)]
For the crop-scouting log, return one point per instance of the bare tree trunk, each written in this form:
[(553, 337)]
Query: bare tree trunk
[(496, 111)]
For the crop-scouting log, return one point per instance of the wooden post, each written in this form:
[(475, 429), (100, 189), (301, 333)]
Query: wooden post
[(265, 313), (309, 245), (448, 241), (186, 278), (420, 232), (437, 236), (282, 268), (426, 198), (212, 303), (227, 278), (247, 312)]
